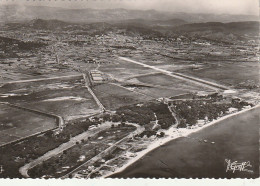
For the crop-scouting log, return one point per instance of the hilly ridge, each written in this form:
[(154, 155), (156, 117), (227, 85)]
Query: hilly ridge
[(248, 27), (212, 31), (16, 13)]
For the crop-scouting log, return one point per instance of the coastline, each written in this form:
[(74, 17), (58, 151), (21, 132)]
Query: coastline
[(171, 136)]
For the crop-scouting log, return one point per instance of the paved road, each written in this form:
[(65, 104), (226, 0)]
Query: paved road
[(24, 170), (100, 156), (208, 84), (101, 106)]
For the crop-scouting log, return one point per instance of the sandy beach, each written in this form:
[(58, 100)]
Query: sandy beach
[(171, 135)]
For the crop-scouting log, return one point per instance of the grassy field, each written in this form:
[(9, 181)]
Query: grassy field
[(67, 103), (121, 70), (223, 72), (161, 92), (228, 73), (67, 98), (167, 81), (161, 85), (112, 96), (16, 124), (165, 86), (35, 86)]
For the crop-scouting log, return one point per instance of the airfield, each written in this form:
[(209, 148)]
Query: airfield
[(67, 96)]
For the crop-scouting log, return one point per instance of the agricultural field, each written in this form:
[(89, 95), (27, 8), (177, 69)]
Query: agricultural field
[(16, 124), (67, 98)]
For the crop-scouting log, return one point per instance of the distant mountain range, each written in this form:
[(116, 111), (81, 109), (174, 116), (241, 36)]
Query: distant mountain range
[(16, 13), (214, 31), (246, 27)]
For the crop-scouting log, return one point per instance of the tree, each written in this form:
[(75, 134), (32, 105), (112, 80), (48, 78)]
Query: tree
[(123, 119), (162, 134), (116, 118), (182, 124), (106, 117), (123, 124), (49, 134)]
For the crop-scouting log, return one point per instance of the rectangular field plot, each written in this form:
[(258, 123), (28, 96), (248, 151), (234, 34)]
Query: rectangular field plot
[(67, 98), (163, 80), (16, 123), (113, 96), (166, 63), (121, 69), (228, 73), (70, 104), (164, 86), (34, 85), (161, 92)]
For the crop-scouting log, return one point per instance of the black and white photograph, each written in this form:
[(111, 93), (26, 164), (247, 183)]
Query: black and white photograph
[(94, 89)]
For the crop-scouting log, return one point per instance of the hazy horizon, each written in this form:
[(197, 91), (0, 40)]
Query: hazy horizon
[(242, 7)]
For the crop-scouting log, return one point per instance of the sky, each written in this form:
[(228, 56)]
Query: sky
[(250, 7)]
